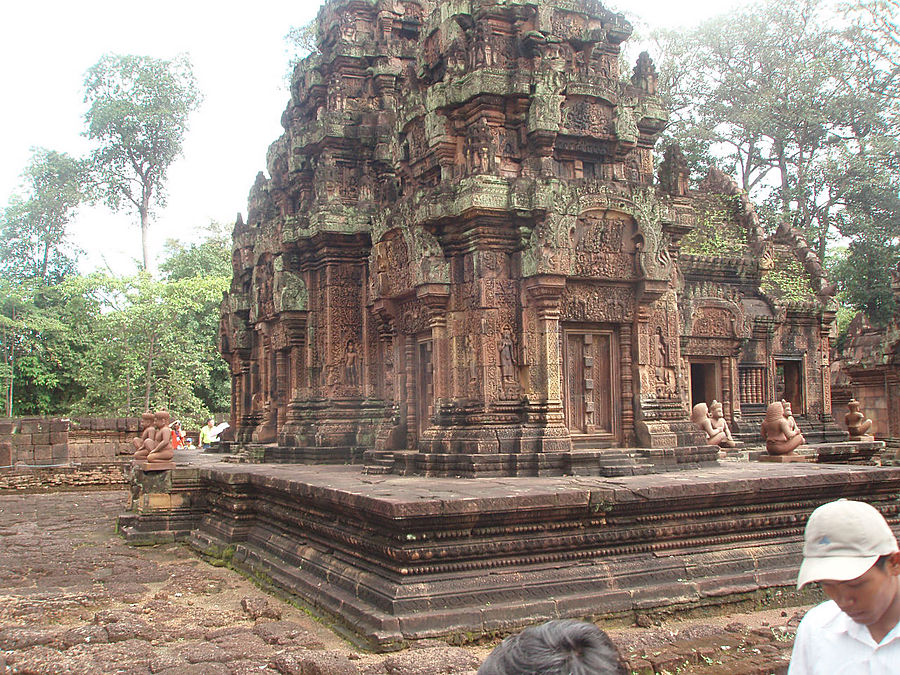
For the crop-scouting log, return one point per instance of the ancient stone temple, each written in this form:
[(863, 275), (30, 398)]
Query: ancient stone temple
[(867, 368), (463, 263)]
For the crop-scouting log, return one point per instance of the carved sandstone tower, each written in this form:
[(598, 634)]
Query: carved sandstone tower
[(460, 262)]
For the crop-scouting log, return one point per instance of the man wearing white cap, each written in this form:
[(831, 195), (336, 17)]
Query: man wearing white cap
[(850, 550)]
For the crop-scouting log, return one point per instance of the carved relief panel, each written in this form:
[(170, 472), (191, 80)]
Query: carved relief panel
[(603, 246), (580, 116), (390, 266)]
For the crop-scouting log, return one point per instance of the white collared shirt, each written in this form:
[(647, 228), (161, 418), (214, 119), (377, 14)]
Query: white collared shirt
[(829, 642)]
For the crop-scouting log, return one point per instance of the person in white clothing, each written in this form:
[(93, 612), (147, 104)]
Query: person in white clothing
[(850, 551)]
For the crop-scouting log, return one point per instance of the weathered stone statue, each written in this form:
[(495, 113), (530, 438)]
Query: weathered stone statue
[(140, 451), (789, 416), (781, 439), (857, 423), (159, 445), (715, 427), (719, 425)]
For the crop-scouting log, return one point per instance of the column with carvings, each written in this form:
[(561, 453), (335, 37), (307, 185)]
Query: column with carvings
[(435, 297), (544, 388)]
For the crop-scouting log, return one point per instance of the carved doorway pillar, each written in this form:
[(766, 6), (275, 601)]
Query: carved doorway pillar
[(424, 406)]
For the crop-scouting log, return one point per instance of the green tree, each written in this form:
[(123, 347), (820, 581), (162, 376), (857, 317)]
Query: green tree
[(154, 344), (34, 241), (301, 42), (208, 258), (44, 333), (787, 96), (138, 113)]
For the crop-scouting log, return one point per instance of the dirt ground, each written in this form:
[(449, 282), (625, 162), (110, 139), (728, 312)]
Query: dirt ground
[(74, 598)]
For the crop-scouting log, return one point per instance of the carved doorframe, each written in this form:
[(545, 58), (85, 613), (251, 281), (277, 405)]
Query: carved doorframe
[(605, 429), (423, 364)]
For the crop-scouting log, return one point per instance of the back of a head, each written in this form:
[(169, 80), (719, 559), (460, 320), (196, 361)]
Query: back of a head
[(561, 647)]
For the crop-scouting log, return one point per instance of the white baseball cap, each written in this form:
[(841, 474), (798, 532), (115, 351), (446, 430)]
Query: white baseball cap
[(843, 539)]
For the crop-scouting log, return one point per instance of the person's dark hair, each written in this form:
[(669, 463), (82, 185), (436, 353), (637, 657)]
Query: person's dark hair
[(560, 647), (881, 563)]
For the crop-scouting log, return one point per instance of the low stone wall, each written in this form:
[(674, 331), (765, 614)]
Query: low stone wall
[(39, 453), (29, 442), (95, 440), (34, 442), (76, 477)]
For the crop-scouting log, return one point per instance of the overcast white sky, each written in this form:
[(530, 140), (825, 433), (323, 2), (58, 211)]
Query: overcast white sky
[(240, 60)]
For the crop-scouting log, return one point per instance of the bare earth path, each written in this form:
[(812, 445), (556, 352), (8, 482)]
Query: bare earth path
[(75, 599)]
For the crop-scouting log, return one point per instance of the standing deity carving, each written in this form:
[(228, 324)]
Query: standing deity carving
[(470, 357), (665, 376), (507, 355), (351, 364)]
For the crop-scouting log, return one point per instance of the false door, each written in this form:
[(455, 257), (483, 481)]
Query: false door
[(589, 379)]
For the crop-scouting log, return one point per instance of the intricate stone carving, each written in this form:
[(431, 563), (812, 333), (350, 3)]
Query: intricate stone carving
[(453, 183), (585, 302), (654, 258)]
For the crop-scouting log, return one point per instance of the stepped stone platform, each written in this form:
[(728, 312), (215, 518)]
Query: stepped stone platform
[(395, 558)]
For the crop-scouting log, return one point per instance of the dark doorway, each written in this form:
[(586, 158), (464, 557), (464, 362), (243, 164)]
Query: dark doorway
[(789, 383), (704, 382)]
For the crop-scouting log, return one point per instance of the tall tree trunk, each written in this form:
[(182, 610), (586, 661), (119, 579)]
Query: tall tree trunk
[(7, 360), (785, 183), (822, 239), (747, 168), (46, 260), (145, 229), (150, 356)]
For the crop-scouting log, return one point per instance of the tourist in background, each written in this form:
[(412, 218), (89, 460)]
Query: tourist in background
[(177, 435), (208, 435)]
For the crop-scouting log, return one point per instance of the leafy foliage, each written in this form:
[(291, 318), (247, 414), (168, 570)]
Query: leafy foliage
[(301, 42), (787, 280), (138, 112), (862, 273), (33, 237), (102, 345), (45, 332), (154, 347), (801, 103), (211, 257)]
